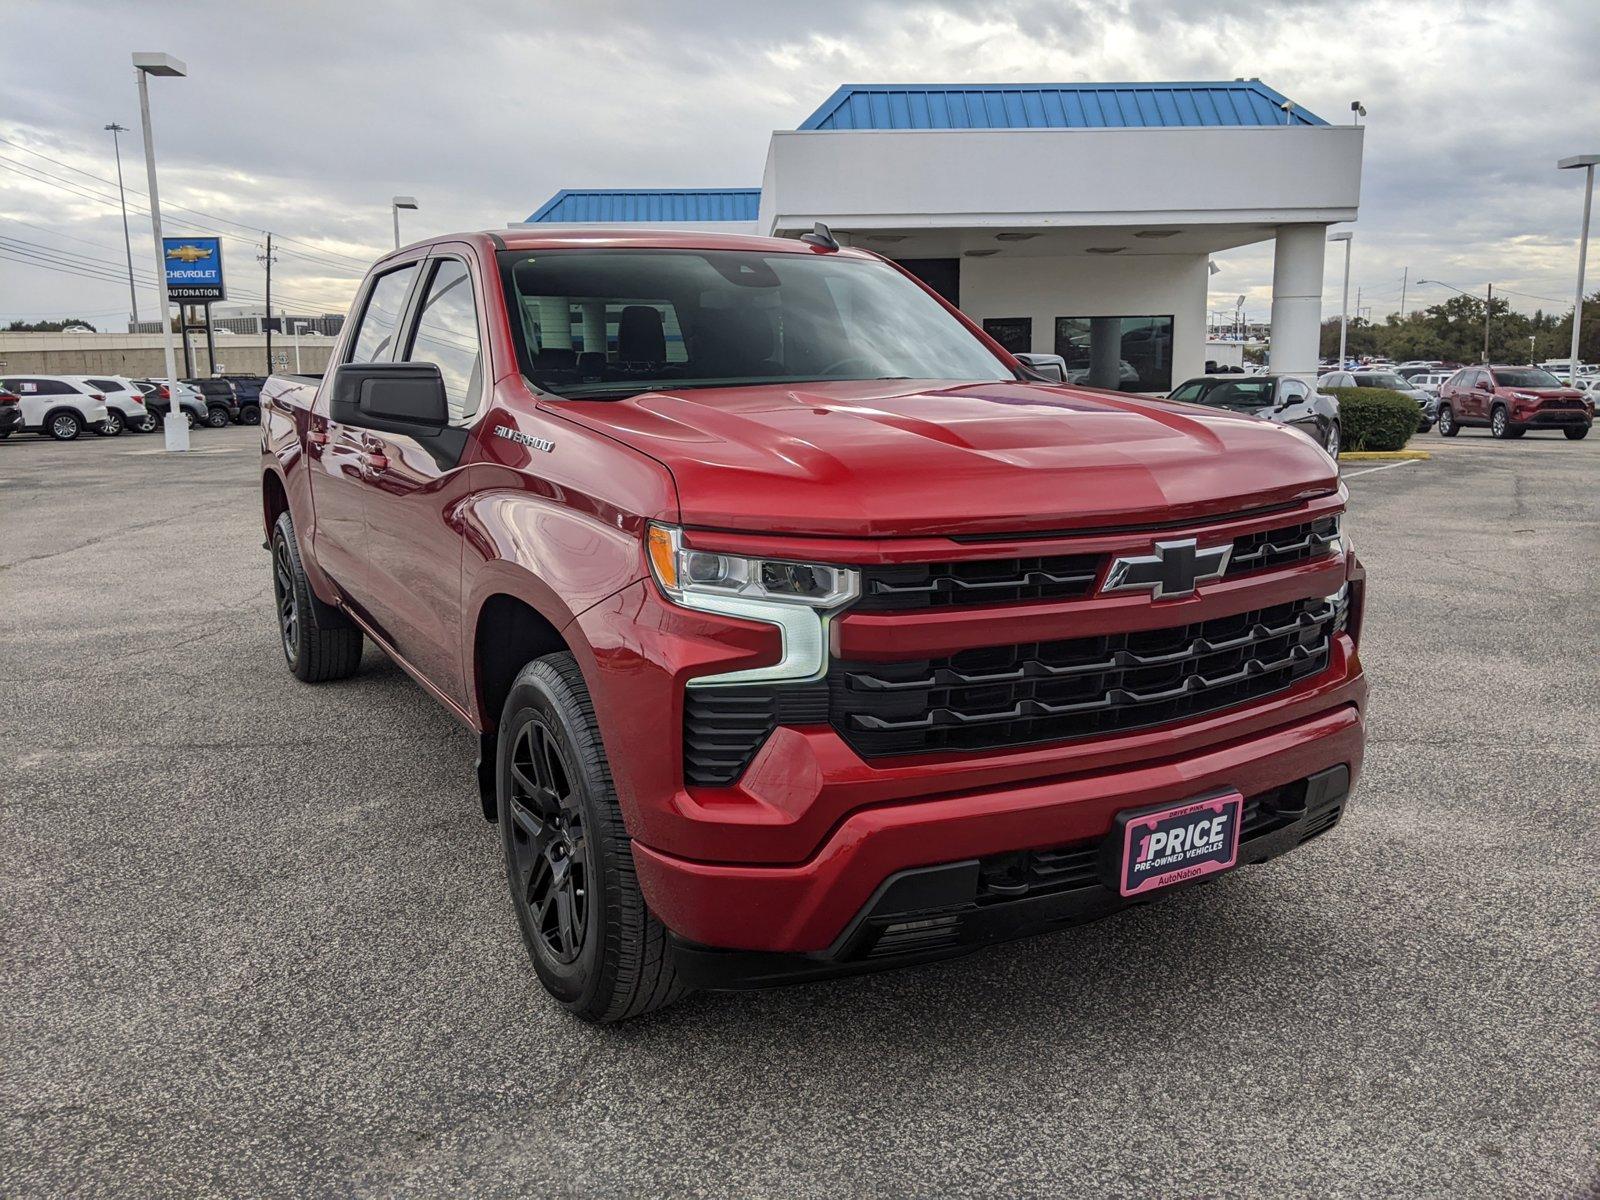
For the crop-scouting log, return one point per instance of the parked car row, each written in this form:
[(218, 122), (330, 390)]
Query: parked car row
[(65, 406), (1393, 381)]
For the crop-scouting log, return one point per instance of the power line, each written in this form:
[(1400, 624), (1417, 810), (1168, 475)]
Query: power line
[(352, 260)]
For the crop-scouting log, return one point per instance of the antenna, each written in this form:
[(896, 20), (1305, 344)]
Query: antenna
[(821, 237)]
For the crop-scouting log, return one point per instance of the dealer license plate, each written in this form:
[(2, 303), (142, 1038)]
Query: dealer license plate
[(1178, 842)]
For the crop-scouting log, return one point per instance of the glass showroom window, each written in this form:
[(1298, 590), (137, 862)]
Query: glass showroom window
[(1129, 354)]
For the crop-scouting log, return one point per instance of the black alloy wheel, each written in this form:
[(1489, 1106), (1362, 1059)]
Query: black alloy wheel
[(551, 857), (285, 599)]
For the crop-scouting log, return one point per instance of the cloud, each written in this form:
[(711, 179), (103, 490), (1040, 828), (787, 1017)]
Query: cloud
[(305, 117)]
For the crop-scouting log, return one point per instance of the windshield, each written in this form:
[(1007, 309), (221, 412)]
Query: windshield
[(1247, 395), (1381, 379), (611, 323), (1525, 377)]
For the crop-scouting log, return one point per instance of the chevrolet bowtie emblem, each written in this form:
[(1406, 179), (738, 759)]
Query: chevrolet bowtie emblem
[(189, 254), (1173, 570)]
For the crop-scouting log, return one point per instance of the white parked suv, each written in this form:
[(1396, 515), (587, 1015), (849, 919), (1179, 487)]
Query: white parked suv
[(124, 403), (55, 405)]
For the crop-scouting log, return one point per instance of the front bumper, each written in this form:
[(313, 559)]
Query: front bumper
[(1560, 418), (928, 913), (807, 907)]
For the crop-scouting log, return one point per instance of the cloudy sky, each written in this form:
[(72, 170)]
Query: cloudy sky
[(304, 118)]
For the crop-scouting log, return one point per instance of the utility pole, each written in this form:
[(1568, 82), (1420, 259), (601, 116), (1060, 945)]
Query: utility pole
[(127, 242), (1405, 278), (267, 324), (1488, 307)]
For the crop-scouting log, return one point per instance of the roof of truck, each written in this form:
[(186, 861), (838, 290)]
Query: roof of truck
[(562, 236)]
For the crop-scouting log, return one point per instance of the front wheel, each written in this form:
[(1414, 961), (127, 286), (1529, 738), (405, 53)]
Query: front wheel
[(595, 945), (112, 425), (1499, 422), (319, 642), (1576, 433), (1447, 422)]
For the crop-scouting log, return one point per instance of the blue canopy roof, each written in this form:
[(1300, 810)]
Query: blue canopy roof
[(650, 204), (1242, 102)]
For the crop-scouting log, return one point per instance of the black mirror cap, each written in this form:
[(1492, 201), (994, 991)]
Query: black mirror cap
[(390, 397)]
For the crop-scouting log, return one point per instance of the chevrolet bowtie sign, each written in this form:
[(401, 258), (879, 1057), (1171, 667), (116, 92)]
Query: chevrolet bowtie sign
[(194, 268), (1173, 570)]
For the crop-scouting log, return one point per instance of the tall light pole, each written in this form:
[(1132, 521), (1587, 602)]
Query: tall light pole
[(395, 205), (1588, 163), (146, 65), (127, 243), (1344, 304)]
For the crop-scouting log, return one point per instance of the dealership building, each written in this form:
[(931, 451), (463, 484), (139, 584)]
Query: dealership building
[(1074, 219)]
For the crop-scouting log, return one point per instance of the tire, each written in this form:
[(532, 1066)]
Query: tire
[(319, 642), (250, 414), (1447, 421), (1499, 422), (595, 945), (148, 423), (217, 418), (112, 425), (4, 434), (1334, 441), (1576, 433), (64, 425)]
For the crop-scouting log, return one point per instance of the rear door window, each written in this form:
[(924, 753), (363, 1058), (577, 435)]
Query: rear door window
[(374, 341)]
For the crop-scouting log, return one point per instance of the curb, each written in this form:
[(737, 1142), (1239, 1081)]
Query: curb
[(1385, 456)]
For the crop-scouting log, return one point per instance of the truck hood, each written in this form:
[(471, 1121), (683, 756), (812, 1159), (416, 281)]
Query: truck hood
[(907, 458)]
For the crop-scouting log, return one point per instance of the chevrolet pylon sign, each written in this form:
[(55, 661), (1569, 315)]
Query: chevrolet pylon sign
[(194, 268)]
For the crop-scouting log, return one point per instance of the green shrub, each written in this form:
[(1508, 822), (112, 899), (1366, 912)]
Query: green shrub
[(1375, 418)]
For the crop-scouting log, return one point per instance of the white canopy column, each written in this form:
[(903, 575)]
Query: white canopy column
[(1297, 299)]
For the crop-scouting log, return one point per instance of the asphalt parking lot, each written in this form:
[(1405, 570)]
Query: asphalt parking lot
[(257, 940)]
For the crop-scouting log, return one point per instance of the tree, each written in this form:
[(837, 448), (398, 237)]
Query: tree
[(57, 326)]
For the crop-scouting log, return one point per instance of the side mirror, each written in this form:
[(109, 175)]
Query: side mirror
[(390, 397), (1047, 368)]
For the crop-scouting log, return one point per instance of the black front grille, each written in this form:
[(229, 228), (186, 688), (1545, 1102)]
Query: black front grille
[(1283, 547), (1040, 692), (979, 581)]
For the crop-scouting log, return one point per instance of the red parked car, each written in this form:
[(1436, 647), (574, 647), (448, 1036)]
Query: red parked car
[(1512, 400), (805, 630)]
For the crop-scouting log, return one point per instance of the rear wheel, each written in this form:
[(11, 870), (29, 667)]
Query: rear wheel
[(1447, 422), (1334, 444), (64, 425), (112, 425), (319, 642), (1576, 433), (595, 945), (217, 418), (250, 414), (148, 422)]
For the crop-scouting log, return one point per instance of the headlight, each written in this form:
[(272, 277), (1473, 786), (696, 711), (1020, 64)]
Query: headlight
[(796, 597)]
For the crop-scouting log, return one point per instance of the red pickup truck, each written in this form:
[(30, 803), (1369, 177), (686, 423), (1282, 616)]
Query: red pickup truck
[(804, 629)]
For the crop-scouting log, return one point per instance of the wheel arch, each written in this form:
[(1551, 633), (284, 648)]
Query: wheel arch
[(52, 414)]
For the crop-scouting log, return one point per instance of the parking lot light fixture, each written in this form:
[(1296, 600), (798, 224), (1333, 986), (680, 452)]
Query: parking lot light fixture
[(167, 67), (1588, 162), (395, 205), (1346, 237)]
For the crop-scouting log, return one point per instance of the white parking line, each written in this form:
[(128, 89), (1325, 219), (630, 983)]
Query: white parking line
[(1386, 467)]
